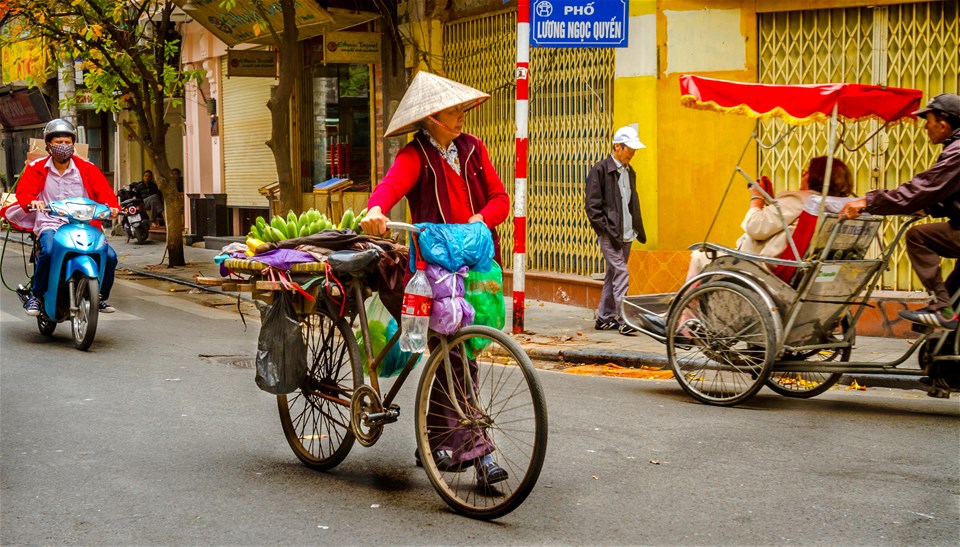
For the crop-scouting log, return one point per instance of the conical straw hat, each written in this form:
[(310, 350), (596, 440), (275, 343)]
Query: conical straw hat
[(427, 95)]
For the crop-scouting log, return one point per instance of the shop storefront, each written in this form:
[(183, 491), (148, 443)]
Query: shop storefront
[(333, 127)]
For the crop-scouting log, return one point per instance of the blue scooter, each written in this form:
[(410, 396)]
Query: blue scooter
[(77, 263)]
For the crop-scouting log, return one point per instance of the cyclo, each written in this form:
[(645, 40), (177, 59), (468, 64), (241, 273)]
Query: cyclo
[(494, 392), (737, 326)]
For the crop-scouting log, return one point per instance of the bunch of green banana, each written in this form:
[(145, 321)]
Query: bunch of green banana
[(352, 221), (309, 222)]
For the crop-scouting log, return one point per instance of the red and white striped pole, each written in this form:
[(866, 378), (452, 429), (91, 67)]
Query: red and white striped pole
[(520, 182)]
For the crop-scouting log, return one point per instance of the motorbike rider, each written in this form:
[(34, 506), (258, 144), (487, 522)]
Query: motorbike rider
[(61, 175), (935, 191)]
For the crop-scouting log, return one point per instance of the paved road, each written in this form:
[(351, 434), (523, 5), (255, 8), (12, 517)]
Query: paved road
[(159, 436)]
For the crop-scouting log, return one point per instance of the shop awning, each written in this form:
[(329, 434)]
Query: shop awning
[(239, 25)]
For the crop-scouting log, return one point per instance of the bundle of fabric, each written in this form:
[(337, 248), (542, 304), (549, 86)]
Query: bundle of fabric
[(450, 309)]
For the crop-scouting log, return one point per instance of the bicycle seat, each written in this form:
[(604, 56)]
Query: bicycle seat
[(353, 262)]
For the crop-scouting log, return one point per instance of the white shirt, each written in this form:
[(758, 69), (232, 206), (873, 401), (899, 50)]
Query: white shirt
[(624, 183), (58, 186)]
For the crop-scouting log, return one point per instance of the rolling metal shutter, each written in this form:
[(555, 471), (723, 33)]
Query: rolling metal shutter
[(248, 163)]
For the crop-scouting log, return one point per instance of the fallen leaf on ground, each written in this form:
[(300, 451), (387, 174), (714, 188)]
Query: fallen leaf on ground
[(610, 369), (855, 386)]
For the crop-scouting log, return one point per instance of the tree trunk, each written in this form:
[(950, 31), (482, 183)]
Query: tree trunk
[(279, 105), (172, 204)]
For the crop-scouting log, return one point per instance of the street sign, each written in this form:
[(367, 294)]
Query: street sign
[(578, 23)]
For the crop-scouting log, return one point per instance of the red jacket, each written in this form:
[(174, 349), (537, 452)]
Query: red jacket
[(34, 177)]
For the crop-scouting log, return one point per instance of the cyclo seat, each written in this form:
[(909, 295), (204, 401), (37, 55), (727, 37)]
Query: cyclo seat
[(353, 262)]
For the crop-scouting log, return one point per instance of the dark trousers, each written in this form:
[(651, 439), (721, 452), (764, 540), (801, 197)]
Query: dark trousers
[(41, 267), (443, 421), (926, 245)]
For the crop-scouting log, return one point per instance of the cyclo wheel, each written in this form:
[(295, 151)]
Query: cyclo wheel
[(720, 343), (316, 417), (508, 411), (803, 385), (84, 319)]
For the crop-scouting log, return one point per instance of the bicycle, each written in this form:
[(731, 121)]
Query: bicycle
[(501, 402)]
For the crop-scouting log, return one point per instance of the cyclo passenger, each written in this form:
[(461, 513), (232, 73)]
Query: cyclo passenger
[(447, 177), (762, 225), (935, 191), (61, 175)]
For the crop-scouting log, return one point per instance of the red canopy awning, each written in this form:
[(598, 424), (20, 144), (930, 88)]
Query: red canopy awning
[(800, 104)]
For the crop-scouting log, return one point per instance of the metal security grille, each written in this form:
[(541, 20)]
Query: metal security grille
[(571, 119), (907, 45)]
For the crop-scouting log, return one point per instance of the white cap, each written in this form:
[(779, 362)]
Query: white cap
[(628, 135)]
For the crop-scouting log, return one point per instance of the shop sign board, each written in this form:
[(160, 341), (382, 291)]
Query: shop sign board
[(252, 63), (351, 47), (23, 60), (579, 23), (84, 99), (243, 22), (23, 108)]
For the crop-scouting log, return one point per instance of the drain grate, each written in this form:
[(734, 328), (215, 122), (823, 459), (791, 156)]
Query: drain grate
[(235, 361)]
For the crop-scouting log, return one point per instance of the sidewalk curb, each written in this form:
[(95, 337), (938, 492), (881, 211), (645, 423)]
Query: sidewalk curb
[(638, 359)]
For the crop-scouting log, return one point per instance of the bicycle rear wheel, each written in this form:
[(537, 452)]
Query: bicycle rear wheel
[(316, 417), (505, 415)]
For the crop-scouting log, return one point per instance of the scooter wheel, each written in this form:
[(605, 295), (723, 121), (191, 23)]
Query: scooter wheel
[(46, 325), (84, 320), (142, 232)]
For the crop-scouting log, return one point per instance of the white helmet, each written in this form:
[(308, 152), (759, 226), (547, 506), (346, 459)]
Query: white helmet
[(58, 128)]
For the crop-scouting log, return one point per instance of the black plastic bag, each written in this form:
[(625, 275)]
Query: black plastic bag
[(281, 351)]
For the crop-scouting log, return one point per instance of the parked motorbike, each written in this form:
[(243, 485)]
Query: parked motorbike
[(77, 264), (133, 216)]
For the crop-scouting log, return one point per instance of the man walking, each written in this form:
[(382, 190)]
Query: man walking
[(613, 208)]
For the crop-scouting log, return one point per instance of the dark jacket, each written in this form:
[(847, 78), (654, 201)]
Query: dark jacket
[(936, 190), (605, 206)]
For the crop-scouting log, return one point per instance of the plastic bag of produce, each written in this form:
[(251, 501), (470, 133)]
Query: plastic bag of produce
[(484, 291), (281, 351)]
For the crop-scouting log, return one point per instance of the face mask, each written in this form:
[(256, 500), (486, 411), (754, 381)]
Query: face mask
[(61, 152)]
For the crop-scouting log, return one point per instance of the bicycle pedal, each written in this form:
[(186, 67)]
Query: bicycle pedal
[(388, 416)]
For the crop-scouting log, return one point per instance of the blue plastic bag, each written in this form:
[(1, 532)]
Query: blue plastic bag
[(454, 246)]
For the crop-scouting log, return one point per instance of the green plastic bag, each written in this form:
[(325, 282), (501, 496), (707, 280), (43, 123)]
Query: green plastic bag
[(484, 291), (382, 327)]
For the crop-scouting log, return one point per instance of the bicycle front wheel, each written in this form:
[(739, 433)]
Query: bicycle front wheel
[(316, 417), (503, 414)]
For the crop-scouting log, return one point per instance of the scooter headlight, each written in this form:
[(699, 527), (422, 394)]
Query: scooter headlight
[(80, 211)]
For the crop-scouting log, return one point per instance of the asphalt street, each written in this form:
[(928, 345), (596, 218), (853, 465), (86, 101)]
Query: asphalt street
[(159, 436)]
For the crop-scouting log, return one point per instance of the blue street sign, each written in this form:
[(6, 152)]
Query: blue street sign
[(578, 23)]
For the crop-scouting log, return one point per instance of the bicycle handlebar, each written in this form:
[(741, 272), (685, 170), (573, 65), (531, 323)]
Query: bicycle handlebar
[(403, 226)]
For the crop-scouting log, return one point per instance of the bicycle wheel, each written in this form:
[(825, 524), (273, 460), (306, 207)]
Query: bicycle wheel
[(720, 343), (84, 319), (504, 414), (316, 418), (803, 385)]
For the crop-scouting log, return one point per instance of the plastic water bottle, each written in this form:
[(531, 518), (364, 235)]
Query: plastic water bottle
[(415, 318)]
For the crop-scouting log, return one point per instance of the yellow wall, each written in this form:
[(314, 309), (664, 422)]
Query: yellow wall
[(690, 155)]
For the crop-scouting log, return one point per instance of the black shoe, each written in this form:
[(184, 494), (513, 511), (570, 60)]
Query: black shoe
[(490, 473), (627, 330), (930, 318), (443, 461), (605, 325)]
